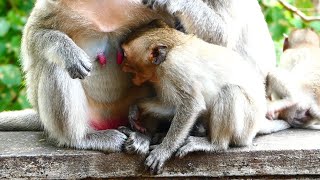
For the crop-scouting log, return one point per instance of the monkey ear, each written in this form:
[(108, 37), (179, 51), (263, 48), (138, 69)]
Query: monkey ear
[(286, 43), (159, 54)]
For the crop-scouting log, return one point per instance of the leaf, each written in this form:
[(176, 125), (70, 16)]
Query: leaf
[(4, 27), (10, 75), (315, 25), (22, 99), (6, 96)]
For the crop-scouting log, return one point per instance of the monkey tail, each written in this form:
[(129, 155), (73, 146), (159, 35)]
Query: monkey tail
[(24, 120), (271, 126)]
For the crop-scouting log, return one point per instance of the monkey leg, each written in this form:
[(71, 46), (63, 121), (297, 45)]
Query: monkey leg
[(229, 121), (63, 109), (194, 144), (270, 126), (134, 119), (153, 108)]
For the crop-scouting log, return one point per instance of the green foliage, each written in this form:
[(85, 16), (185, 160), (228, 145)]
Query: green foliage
[(13, 16), (282, 21)]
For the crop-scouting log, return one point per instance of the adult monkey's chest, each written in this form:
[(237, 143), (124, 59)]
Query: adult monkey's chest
[(112, 15)]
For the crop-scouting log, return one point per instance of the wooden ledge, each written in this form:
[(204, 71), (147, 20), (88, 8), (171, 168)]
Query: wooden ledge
[(286, 154)]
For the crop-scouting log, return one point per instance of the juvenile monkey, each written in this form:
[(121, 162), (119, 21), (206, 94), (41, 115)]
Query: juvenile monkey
[(196, 79), (66, 40), (294, 87)]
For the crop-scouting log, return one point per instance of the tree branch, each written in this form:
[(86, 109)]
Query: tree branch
[(296, 11)]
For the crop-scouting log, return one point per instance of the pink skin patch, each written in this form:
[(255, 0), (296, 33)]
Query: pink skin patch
[(119, 57), (109, 124), (102, 59)]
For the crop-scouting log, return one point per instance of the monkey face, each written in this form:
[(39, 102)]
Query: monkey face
[(138, 62), (297, 116)]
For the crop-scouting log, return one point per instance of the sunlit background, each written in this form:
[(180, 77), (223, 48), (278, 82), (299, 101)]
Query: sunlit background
[(13, 15)]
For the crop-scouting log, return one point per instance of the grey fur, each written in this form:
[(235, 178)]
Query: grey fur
[(203, 80), (224, 23)]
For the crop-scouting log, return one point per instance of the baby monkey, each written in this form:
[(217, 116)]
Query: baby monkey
[(294, 87), (196, 80)]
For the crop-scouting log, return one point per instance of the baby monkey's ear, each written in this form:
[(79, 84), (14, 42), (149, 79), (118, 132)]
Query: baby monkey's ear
[(286, 44), (159, 54)]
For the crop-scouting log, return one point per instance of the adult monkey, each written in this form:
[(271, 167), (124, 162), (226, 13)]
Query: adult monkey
[(64, 40)]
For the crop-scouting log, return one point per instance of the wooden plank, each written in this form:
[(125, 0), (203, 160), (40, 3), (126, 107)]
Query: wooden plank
[(291, 153)]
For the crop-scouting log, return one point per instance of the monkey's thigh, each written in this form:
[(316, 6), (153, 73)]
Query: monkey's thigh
[(232, 118), (64, 112), (62, 104)]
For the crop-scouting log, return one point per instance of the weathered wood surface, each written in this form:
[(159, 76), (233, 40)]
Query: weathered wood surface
[(292, 153)]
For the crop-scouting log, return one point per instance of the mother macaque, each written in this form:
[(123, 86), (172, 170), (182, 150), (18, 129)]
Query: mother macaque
[(70, 54)]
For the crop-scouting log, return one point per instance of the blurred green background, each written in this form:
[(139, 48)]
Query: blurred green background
[(14, 13)]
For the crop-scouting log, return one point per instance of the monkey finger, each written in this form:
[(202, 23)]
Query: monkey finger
[(183, 151), (152, 147), (152, 4), (86, 65), (152, 164), (125, 130), (73, 72)]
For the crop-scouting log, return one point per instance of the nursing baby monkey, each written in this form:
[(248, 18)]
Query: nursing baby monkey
[(294, 87), (65, 41), (195, 79)]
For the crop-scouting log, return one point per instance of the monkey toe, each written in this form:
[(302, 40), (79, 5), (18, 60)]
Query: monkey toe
[(153, 164), (125, 130), (156, 160), (183, 151)]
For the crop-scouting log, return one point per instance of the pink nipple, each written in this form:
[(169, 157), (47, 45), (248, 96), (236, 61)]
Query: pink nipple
[(102, 59), (119, 57)]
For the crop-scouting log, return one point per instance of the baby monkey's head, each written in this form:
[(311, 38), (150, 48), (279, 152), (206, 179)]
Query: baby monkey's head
[(146, 48)]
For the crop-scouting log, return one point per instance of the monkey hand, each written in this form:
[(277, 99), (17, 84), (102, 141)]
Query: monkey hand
[(133, 117), (157, 158), (170, 6), (136, 142), (189, 146), (79, 65)]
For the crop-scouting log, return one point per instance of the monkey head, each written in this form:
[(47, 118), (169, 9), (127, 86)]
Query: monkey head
[(143, 61), (146, 48), (297, 115), (301, 38)]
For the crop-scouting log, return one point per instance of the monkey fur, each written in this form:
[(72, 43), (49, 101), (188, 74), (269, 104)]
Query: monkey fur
[(294, 87), (70, 89), (196, 79)]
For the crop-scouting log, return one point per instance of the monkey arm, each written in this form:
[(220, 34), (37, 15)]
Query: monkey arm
[(156, 108), (280, 83), (203, 19), (184, 119), (57, 48)]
